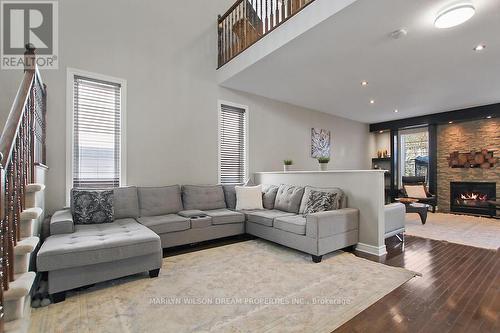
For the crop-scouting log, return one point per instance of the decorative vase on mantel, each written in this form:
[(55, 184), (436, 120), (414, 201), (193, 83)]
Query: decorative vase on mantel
[(323, 163), (286, 165)]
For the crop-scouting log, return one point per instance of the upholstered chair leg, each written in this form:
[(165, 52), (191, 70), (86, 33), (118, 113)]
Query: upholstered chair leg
[(316, 259), (154, 273)]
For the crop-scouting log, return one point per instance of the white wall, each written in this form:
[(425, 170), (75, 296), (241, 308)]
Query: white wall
[(167, 52)]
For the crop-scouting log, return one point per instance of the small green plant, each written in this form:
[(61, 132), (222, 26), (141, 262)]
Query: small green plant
[(287, 162), (323, 159)]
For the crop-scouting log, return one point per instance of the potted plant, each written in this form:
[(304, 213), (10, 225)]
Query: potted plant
[(323, 163), (286, 165)]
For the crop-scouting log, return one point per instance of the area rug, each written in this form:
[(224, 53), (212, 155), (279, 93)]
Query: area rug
[(462, 229), (252, 286)]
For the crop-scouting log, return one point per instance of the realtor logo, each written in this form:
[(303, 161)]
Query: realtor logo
[(29, 22)]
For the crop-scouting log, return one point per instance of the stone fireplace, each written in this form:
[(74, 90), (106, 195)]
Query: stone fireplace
[(472, 197), (465, 137)]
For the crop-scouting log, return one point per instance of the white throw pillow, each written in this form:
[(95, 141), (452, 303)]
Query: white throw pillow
[(248, 197), (415, 191)]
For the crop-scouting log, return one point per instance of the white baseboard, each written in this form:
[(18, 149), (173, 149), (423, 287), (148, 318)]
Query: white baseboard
[(370, 249)]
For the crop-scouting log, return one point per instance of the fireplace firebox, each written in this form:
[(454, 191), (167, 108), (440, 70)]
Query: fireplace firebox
[(472, 198)]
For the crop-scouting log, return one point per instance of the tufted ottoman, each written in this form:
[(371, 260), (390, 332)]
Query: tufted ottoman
[(98, 252)]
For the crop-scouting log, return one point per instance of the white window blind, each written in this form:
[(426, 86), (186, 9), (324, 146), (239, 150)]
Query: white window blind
[(97, 133), (232, 159)]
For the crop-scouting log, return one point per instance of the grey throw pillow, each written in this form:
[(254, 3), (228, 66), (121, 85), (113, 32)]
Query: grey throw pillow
[(92, 206), (319, 202)]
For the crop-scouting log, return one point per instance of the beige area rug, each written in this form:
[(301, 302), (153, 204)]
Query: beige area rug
[(254, 286), (462, 229)]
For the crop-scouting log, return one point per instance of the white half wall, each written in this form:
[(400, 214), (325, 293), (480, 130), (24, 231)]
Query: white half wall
[(364, 190), (167, 52)]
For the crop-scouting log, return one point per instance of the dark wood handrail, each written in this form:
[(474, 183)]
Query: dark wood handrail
[(247, 21), (13, 122), (230, 10)]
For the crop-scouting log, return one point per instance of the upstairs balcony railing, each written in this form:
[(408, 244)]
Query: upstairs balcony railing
[(247, 21)]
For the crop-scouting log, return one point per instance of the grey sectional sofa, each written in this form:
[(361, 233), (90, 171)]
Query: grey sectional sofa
[(148, 219)]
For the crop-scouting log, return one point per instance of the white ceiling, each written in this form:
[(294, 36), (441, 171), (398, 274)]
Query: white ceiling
[(428, 71)]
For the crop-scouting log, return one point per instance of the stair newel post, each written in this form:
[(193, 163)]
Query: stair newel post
[(31, 139)]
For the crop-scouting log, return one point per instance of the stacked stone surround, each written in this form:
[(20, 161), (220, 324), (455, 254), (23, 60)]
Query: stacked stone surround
[(465, 137)]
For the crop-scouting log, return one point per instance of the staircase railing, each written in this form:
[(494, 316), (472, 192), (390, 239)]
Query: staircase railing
[(247, 21), (22, 147)]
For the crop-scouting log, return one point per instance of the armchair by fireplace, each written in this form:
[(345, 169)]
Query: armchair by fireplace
[(426, 197)]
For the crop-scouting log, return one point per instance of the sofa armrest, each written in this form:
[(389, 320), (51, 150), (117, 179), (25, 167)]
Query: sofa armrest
[(394, 215), (333, 222), (62, 223)]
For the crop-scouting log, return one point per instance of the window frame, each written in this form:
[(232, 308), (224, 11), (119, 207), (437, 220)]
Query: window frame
[(70, 76), (246, 139)]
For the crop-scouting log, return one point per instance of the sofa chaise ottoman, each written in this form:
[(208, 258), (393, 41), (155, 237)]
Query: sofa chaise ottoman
[(80, 255)]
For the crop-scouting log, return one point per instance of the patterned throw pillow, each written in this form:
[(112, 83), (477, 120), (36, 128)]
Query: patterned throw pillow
[(319, 202), (92, 206)]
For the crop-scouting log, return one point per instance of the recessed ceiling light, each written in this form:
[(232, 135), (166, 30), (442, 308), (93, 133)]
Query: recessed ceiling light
[(396, 111), (454, 15), (450, 122), (372, 101), (489, 117), (480, 47), (364, 83)]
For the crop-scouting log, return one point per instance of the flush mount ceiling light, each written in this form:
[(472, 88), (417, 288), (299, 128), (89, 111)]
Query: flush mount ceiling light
[(454, 15), (480, 47)]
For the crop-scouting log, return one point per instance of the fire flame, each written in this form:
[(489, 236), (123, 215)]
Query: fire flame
[(474, 196)]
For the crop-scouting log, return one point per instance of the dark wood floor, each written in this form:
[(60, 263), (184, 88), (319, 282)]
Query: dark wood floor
[(459, 290)]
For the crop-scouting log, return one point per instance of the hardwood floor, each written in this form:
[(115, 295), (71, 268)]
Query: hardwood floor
[(459, 290)]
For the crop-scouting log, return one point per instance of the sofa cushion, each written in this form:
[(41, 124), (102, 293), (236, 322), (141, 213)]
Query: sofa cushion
[(288, 198), (269, 196), (340, 200), (97, 243), (230, 196), (160, 200), (225, 216), (295, 224), (126, 202), (92, 206), (163, 224), (266, 217), (204, 197)]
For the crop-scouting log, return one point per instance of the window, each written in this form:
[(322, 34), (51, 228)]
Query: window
[(232, 143), (414, 152), (95, 130)]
